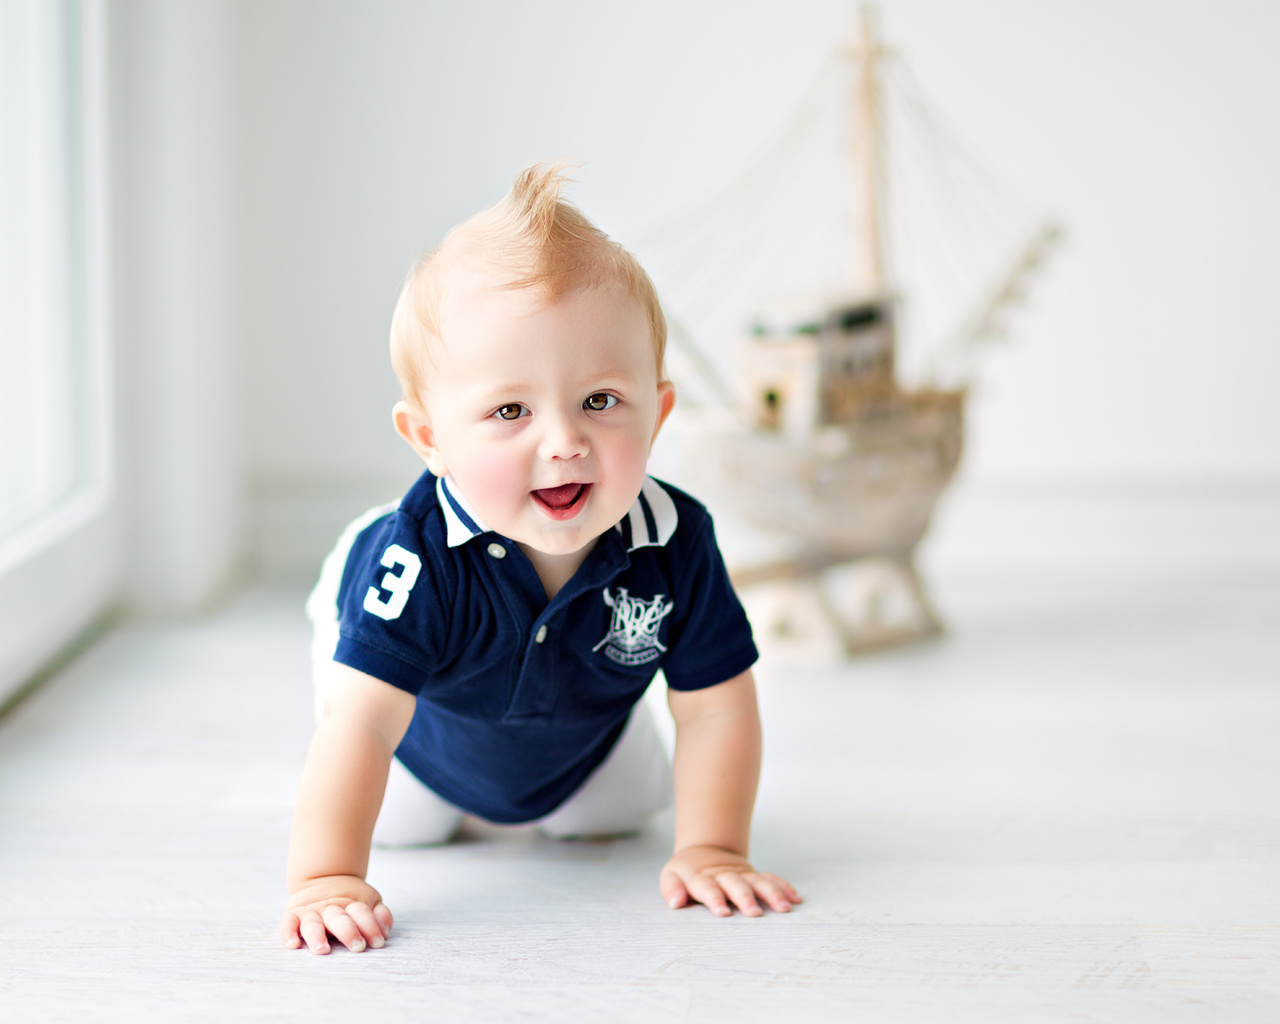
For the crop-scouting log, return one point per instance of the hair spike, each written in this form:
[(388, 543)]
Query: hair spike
[(536, 196), (535, 239)]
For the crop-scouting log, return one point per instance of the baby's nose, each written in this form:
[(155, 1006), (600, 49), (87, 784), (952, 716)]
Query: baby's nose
[(563, 439)]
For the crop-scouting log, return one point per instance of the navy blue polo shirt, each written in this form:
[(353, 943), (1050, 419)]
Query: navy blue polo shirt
[(519, 699)]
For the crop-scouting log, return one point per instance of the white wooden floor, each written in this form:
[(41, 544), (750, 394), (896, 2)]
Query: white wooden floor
[(1067, 810)]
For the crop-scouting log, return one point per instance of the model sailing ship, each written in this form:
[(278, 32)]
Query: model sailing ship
[(825, 444)]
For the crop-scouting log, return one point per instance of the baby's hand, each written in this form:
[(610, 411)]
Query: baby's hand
[(343, 906), (716, 878)]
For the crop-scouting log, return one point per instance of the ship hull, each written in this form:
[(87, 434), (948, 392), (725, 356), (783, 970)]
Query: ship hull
[(856, 490)]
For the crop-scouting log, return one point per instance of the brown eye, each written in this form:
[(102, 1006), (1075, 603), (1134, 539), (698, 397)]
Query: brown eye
[(510, 412), (599, 402)]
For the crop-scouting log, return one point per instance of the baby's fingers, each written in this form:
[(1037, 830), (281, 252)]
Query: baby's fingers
[(739, 890), (366, 919), (343, 928), (707, 891), (382, 914), (673, 890), (776, 892), (289, 935), (313, 932)]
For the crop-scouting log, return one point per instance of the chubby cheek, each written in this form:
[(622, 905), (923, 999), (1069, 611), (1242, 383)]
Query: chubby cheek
[(494, 480), (627, 460)]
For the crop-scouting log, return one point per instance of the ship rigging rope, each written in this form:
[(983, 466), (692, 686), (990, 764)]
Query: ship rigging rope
[(733, 239), (724, 240), (965, 193), (976, 194), (769, 215), (761, 175), (950, 151)]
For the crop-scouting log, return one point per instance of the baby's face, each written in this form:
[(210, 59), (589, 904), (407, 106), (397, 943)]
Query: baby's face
[(544, 412)]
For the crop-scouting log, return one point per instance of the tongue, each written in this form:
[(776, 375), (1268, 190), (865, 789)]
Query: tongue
[(560, 497)]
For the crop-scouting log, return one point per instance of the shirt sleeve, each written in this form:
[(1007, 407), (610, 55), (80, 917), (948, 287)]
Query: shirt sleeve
[(392, 622), (711, 642)]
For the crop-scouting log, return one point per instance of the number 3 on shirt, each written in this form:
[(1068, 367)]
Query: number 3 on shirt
[(397, 585)]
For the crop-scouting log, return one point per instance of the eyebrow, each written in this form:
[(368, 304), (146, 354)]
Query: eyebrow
[(515, 387)]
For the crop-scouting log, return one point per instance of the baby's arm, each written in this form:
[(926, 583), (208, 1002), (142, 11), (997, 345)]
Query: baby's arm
[(341, 793), (717, 768)]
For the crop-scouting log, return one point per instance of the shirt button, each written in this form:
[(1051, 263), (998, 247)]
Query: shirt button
[(497, 551), (541, 635)]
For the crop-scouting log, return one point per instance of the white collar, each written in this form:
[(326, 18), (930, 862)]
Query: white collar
[(461, 523), (651, 521)]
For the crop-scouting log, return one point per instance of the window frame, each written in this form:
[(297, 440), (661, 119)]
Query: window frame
[(58, 569)]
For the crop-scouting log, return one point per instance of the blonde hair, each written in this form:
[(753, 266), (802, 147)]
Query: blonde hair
[(535, 239)]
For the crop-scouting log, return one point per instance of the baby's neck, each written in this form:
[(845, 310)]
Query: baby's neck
[(556, 570)]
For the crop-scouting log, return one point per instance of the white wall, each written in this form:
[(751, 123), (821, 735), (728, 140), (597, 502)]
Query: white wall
[(1143, 367), (182, 466)]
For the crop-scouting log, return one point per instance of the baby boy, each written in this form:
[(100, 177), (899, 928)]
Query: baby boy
[(483, 646)]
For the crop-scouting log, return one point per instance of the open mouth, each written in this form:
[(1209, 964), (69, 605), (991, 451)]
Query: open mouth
[(562, 502)]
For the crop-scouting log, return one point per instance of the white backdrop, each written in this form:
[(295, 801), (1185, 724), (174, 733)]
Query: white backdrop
[(1142, 367)]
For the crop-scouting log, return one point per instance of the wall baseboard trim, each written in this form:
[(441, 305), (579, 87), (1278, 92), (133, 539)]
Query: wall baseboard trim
[(17, 686)]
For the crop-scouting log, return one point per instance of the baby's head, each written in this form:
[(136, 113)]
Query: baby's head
[(531, 239), (530, 348)]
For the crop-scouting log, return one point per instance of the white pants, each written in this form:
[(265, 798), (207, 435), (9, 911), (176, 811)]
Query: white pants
[(631, 785)]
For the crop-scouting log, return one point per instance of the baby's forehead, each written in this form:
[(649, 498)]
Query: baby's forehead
[(473, 281), (468, 290)]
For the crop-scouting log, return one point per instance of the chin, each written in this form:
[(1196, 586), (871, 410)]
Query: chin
[(562, 542), (567, 546)]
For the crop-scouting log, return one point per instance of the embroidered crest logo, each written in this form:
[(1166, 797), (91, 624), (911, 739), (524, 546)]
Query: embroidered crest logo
[(633, 634)]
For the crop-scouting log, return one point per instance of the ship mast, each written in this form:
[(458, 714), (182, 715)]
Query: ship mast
[(867, 272)]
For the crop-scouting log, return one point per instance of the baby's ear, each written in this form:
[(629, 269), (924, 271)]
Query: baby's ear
[(666, 402), (412, 424)]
